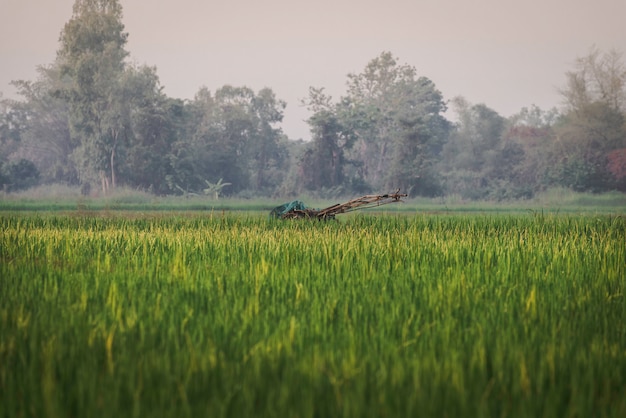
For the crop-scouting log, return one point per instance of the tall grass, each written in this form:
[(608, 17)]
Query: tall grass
[(194, 315)]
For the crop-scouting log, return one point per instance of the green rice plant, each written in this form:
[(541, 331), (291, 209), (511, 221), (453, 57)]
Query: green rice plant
[(188, 314)]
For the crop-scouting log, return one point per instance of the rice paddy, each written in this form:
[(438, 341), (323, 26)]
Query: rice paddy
[(189, 314)]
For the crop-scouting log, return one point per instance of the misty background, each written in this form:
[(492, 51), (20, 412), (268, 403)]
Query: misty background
[(498, 63), (506, 54)]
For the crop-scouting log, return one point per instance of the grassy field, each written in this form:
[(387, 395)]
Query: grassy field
[(186, 314), (62, 198)]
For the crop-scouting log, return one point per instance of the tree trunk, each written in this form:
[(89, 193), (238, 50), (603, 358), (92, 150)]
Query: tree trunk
[(261, 164), (113, 180), (104, 181), (381, 159)]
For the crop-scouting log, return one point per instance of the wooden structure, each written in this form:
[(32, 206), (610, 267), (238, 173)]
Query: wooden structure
[(298, 211)]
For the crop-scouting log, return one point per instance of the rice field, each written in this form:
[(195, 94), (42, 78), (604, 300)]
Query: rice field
[(203, 314)]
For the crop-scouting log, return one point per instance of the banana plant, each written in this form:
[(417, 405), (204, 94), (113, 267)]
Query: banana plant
[(214, 189)]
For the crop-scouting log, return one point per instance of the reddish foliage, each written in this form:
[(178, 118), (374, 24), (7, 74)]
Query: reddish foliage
[(617, 163)]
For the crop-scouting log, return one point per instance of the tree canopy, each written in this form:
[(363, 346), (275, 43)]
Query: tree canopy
[(92, 119)]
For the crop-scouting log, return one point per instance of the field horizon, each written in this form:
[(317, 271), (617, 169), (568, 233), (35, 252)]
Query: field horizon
[(63, 198)]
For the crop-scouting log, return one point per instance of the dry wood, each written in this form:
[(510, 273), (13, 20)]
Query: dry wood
[(363, 202)]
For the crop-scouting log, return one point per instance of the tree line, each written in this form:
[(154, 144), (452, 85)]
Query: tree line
[(94, 120)]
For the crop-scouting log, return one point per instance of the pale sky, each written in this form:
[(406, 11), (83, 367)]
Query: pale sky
[(505, 54)]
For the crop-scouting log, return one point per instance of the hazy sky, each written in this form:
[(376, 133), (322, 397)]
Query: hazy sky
[(506, 54)]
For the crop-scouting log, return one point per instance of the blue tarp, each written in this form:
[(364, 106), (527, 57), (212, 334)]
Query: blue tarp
[(279, 211)]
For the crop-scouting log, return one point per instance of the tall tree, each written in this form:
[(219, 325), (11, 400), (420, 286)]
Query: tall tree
[(394, 112), (422, 133), (92, 55), (473, 155), (374, 96), (531, 133), (323, 163), (11, 122), (44, 128), (264, 153), (594, 122), (154, 121), (226, 131)]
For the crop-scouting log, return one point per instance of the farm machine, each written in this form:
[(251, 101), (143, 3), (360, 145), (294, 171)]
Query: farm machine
[(297, 210)]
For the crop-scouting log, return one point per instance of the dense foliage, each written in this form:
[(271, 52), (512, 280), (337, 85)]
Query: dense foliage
[(179, 315), (95, 120)]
